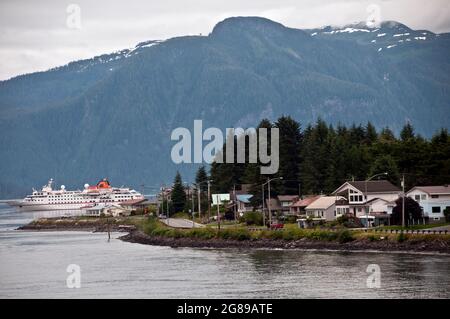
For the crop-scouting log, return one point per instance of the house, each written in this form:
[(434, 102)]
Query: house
[(433, 200), (243, 203), (274, 204), (298, 207), (323, 207), (286, 201), (139, 204), (103, 209), (371, 201)]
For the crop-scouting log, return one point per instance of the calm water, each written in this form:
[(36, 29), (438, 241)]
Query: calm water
[(33, 265)]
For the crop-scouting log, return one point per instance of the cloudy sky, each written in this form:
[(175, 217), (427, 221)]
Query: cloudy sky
[(38, 35)]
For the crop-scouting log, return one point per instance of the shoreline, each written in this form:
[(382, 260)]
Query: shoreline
[(134, 235), (433, 247)]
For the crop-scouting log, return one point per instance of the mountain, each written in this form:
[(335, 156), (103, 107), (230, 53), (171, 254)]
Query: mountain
[(112, 115)]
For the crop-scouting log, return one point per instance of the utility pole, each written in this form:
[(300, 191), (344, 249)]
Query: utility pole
[(270, 201), (270, 204), (167, 206), (199, 203), (263, 212), (162, 204), (209, 198), (235, 202), (218, 213), (403, 200), (193, 206)]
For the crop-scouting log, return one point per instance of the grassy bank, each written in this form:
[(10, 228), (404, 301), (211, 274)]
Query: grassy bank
[(85, 222), (154, 228), (415, 227)]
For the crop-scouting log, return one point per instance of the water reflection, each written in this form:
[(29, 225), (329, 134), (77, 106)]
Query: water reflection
[(33, 265)]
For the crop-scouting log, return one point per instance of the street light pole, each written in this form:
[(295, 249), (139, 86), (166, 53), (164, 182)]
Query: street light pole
[(403, 201), (366, 208)]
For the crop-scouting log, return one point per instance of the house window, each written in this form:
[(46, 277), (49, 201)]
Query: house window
[(417, 197), (359, 209), (423, 197), (360, 198), (436, 209), (434, 196)]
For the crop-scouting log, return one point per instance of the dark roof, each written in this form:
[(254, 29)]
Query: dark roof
[(132, 202), (275, 204), (287, 198), (375, 199), (445, 189), (375, 186)]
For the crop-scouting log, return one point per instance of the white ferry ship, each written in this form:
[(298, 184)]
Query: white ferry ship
[(49, 199)]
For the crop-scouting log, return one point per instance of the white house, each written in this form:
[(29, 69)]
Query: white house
[(243, 203), (323, 207), (103, 209), (373, 197), (433, 200)]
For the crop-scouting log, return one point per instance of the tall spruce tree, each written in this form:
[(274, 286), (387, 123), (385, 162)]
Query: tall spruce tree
[(178, 195), (289, 151)]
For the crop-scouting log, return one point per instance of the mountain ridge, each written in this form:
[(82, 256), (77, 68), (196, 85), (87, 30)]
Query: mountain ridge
[(121, 107)]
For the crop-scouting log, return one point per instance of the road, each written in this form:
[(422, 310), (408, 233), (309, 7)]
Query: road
[(180, 223), (446, 227)]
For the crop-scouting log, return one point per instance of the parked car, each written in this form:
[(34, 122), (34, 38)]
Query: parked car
[(276, 225)]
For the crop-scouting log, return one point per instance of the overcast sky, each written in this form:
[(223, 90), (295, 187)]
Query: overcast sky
[(38, 35)]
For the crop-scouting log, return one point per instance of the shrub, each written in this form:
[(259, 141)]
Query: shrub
[(292, 234), (204, 233), (344, 236), (401, 237), (235, 233), (252, 218)]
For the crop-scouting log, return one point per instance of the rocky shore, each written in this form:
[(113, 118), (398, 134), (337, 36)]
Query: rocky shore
[(433, 244), (70, 224), (437, 246)]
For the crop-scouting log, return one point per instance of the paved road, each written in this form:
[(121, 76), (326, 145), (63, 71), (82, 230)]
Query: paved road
[(447, 227), (180, 223)]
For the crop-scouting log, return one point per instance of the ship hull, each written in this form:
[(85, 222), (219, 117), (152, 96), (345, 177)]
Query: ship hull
[(43, 207)]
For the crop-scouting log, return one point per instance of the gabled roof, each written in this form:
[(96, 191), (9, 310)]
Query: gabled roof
[(245, 198), (305, 202), (381, 186), (376, 199), (323, 202), (433, 190), (287, 198), (132, 202)]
